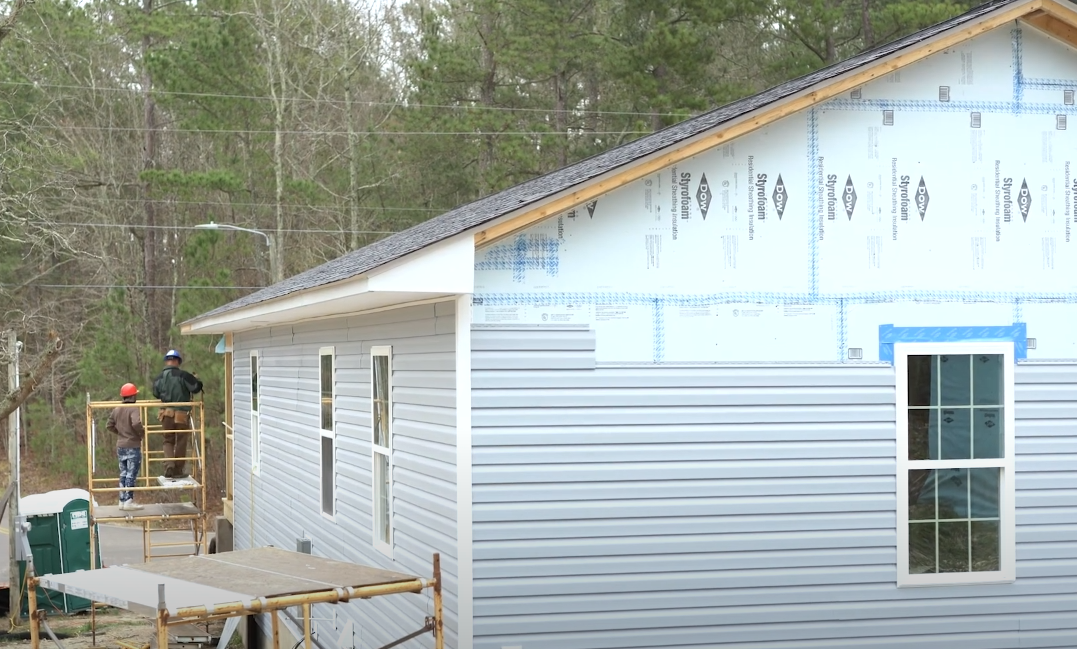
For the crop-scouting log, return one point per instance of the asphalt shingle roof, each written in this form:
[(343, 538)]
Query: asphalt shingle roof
[(483, 211)]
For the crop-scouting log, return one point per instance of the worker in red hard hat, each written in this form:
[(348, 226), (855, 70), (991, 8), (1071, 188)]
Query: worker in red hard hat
[(126, 423)]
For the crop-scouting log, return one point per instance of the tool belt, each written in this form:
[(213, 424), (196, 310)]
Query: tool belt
[(178, 416)]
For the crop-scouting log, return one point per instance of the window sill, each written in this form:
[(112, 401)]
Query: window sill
[(944, 581), (384, 548)]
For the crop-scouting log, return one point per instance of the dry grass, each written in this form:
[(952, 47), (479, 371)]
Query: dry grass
[(113, 626)]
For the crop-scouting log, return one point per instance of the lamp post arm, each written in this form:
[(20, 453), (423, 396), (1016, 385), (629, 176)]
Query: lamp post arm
[(269, 241)]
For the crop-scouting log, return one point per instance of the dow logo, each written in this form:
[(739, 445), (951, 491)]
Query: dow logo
[(922, 198), (703, 196), (591, 209), (848, 198), (779, 197), (1024, 200)]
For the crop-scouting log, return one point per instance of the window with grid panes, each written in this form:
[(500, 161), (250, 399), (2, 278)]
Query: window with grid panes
[(381, 405), (955, 463), (327, 436)]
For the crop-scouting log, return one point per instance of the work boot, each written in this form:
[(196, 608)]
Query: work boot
[(170, 472), (130, 506)]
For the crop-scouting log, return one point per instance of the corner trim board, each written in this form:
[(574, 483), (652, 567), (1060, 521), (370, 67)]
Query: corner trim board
[(464, 533)]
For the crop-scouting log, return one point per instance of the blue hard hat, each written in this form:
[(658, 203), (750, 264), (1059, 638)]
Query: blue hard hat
[(173, 354)]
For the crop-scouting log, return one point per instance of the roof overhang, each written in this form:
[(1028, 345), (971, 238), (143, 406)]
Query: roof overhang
[(1056, 18), (444, 269)]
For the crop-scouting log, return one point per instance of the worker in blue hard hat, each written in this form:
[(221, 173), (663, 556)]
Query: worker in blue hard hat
[(175, 385)]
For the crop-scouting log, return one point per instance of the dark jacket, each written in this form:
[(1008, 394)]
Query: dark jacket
[(126, 424), (176, 386)]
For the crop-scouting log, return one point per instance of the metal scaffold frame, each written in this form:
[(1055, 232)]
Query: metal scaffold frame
[(236, 589), (152, 515)]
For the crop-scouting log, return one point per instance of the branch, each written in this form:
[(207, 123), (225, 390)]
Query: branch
[(8, 22), (15, 399)]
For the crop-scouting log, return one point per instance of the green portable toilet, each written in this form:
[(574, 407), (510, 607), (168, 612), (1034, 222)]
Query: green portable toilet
[(59, 539)]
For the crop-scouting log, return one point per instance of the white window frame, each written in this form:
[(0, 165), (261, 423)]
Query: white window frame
[(1007, 508), (327, 434), (387, 451), (254, 368)]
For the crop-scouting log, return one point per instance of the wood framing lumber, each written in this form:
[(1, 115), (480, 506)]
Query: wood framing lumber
[(1052, 25), (1063, 11)]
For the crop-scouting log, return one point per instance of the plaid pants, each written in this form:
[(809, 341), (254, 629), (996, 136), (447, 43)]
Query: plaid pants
[(130, 463)]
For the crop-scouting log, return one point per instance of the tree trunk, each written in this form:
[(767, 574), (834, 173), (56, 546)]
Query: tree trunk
[(30, 381), (660, 76), (278, 149), (150, 251), (560, 82), (353, 155), (488, 94), (865, 25)]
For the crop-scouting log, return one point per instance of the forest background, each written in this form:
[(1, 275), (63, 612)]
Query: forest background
[(328, 124)]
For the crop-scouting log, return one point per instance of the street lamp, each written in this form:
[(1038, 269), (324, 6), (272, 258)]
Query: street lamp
[(274, 267)]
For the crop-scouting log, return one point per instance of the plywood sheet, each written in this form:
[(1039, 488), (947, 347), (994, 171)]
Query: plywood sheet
[(272, 572), (134, 590), (217, 579)]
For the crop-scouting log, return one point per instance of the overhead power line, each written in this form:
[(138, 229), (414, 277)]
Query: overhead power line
[(226, 131), (140, 226), (130, 286), (168, 201), (341, 102)]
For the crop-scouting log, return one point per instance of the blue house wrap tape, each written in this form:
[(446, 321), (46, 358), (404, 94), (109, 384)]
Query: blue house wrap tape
[(1016, 333)]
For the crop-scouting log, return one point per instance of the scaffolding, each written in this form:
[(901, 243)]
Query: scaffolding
[(226, 586), (153, 517)]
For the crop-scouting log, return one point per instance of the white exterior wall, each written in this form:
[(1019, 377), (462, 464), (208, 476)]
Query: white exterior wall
[(281, 502)]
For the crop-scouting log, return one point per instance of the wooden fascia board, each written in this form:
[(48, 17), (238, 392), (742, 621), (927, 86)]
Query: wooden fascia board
[(1054, 27), (751, 122), (1055, 20), (1063, 11)]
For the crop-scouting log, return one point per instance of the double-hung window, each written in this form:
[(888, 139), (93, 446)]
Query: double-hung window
[(955, 463), (381, 405), (256, 438), (326, 437)]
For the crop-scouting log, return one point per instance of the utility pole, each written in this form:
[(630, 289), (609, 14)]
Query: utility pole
[(276, 273), (15, 584)]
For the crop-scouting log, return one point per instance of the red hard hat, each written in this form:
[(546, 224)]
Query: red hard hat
[(128, 390)]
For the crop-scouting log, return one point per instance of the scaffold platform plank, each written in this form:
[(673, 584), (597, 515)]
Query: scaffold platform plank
[(148, 511), (272, 572), (134, 590), (217, 579)]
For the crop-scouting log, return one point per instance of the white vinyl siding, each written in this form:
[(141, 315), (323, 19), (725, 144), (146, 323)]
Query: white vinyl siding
[(955, 463), (283, 503)]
